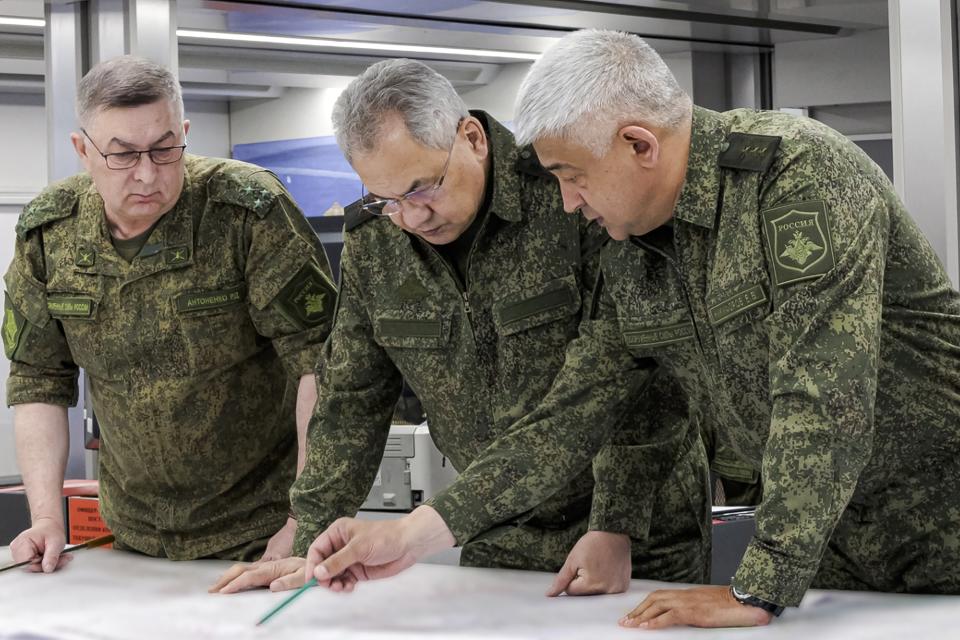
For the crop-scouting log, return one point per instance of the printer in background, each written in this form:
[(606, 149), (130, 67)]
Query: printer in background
[(412, 470)]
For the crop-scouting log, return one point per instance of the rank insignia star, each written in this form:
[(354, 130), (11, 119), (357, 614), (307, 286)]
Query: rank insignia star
[(86, 257)]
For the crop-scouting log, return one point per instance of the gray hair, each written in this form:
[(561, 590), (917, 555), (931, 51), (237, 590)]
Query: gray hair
[(591, 80), (424, 99), (125, 81)]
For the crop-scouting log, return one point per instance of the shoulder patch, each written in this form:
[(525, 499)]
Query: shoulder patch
[(309, 298), (254, 189), (798, 241), (529, 163), (354, 216), (53, 204), (14, 326), (749, 152)]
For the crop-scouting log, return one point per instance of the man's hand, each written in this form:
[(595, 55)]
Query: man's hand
[(281, 544), (278, 575), (598, 563), (42, 544), (351, 550), (698, 607)]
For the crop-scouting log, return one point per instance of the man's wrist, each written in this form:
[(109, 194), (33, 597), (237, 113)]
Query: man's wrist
[(754, 601), (610, 537), (425, 532), (36, 520)]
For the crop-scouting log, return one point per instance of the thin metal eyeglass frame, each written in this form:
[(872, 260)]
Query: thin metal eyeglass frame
[(149, 152)]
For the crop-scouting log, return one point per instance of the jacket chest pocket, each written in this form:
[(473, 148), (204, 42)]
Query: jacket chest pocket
[(667, 336), (732, 310), (533, 327), (215, 327), (412, 329), (737, 321), (78, 310), (532, 307), (659, 334)]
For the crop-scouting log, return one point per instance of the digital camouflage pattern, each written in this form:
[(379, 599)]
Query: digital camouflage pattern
[(482, 354), (811, 322), (192, 351)]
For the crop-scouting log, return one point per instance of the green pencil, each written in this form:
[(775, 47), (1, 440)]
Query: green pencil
[(311, 583)]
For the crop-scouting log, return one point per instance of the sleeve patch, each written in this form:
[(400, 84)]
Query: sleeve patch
[(308, 299), (14, 325), (798, 241)]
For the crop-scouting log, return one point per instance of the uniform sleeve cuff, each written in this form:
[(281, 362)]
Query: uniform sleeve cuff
[(606, 516), (465, 518), (59, 391), (306, 533), (773, 576)]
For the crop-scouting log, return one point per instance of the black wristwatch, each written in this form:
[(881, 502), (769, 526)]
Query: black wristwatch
[(754, 601)]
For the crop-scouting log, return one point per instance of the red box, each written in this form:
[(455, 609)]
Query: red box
[(83, 519)]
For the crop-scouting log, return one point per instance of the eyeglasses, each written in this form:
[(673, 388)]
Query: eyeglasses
[(424, 195), (129, 159)]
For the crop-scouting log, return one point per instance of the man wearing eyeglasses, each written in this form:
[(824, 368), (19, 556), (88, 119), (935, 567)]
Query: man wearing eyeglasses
[(196, 298), (462, 274)]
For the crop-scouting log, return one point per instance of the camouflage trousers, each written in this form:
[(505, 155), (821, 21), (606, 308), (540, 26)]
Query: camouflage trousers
[(903, 539), (246, 552), (676, 549)]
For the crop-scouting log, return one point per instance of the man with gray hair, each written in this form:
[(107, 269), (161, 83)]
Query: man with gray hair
[(764, 261), (196, 298), (462, 274)]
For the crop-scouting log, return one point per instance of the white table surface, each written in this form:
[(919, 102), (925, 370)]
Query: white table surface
[(112, 595)]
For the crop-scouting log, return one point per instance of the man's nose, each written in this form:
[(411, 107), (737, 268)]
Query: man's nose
[(146, 170), (414, 215), (572, 200)]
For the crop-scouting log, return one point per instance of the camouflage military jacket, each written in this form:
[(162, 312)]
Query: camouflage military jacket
[(479, 355), (192, 350), (800, 305)]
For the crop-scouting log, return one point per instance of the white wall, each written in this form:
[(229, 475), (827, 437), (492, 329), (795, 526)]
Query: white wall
[(681, 64), (23, 129), (498, 97), (831, 71), (298, 113), (209, 127)]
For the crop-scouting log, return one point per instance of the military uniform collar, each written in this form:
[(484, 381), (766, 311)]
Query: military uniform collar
[(170, 244), (504, 200), (697, 202)]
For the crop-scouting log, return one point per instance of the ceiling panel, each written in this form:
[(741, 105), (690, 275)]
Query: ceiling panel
[(526, 26)]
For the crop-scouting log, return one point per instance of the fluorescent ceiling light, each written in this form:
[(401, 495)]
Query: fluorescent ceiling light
[(326, 43), (22, 22), (329, 43)]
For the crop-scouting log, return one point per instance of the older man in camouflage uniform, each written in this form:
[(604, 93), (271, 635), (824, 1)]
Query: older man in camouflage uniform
[(470, 286), (194, 295), (767, 263)]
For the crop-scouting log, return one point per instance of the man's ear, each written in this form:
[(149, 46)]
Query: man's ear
[(79, 145), (642, 142), (476, 136)]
